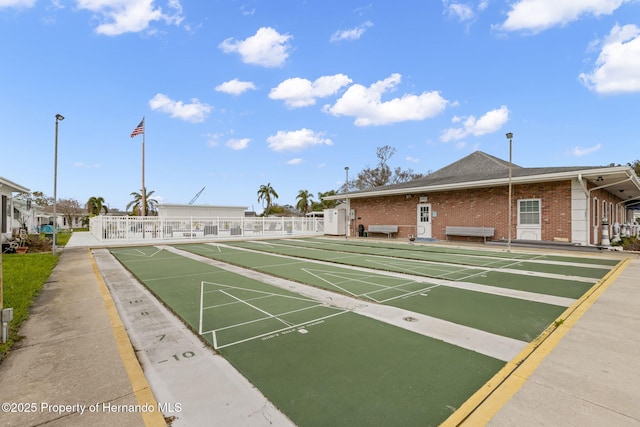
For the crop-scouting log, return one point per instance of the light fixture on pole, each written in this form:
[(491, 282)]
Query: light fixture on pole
[(510, 138), (59, 118), (347, 215)]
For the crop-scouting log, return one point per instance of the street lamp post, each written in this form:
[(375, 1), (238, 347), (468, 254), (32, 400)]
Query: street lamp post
[(510, 138), (59, 118), (347, 214)]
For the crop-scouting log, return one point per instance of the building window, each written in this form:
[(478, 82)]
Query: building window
[(529, 212), (595, 212)]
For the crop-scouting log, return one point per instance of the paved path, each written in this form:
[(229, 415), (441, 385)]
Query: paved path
[(76, 352), (69, 368)]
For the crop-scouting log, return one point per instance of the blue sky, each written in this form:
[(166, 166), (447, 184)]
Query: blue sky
[(237, 94)]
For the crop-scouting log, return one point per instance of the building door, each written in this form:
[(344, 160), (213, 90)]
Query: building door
[(423, 229), (529, 219)]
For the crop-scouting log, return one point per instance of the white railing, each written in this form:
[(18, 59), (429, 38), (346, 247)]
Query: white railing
[(123, 228)]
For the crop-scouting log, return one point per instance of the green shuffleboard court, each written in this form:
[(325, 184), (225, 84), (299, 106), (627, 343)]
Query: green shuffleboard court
[(522, 317), (322, 364)]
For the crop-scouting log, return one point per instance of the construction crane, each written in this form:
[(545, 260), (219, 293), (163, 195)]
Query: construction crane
[(196, 196)]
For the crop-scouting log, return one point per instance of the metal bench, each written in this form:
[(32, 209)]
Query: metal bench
[(483, 232), (382, 229)]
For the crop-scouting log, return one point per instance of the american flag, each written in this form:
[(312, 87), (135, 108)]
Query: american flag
[(138, 130)]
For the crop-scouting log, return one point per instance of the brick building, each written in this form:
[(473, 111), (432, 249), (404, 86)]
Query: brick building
[(566, 204)]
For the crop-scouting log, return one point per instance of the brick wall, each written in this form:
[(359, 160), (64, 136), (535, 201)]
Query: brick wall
[(484, 207)]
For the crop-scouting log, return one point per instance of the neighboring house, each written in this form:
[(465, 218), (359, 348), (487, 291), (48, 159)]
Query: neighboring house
[(28, 214), (566, 204), (10, 217), (64, 222)]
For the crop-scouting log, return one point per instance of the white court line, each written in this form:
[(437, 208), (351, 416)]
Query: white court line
[(269, 317), (138, 253), (332, 284), (258, 309), (410, 294), (280, 330)]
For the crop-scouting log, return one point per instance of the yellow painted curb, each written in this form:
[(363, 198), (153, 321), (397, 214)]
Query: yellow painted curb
[(486, 402), (141, 388)]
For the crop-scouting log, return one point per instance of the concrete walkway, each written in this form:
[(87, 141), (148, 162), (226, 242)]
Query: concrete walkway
[(76, 355), (74, 366)]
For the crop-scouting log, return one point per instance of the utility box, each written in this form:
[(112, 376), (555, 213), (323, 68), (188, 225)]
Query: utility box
[(6, 315), (335, 221)]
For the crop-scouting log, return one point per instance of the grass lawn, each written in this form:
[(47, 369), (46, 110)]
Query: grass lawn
[(22, 279)]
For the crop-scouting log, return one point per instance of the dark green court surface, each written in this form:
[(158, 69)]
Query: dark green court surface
[(323, 365), (517, 318)]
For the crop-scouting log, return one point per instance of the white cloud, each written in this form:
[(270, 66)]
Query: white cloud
[(238, 144), (18, 4), (130, 16), (618, 65), (463, 12), (489, 123), (235, 87), (295, 161), (539, 15), (366, 105), (195, 112), (579, 151), (297, 92), (296, 140), (267, 48), (213, 138), (352, 34), (412, 159)]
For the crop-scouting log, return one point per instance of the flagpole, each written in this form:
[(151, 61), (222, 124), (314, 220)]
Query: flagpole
[(143, 209)]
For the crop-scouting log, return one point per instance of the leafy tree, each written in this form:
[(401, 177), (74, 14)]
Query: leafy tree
[(136, 203), (267, 194), (95, 205), (382, 174), (635, 165), (304, 201), (70, 209), (283, 210), (38, 198)]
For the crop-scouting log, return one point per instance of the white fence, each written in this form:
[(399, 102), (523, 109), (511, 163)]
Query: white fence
[(125, 228)]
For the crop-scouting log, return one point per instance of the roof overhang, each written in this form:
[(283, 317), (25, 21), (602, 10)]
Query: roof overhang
[(12, 186), (620, 181)]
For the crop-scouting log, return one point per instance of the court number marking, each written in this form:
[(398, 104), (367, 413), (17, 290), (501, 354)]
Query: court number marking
[(185, 355), (179, 357)]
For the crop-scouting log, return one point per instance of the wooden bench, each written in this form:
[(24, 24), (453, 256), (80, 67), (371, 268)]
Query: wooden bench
[(382, 229), (483, 232)]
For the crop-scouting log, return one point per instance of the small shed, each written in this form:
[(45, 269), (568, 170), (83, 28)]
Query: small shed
[(335, 223)]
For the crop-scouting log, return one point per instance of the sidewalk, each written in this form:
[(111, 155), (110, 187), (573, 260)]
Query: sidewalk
[(68, 370), (72, 354), (592, 376)]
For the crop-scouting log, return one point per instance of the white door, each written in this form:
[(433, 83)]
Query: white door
[(423, 229)]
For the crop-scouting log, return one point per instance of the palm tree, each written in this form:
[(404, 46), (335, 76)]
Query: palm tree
[(150, 205), (95, 205), (267, 194), (325, 204), (304, 199)]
